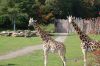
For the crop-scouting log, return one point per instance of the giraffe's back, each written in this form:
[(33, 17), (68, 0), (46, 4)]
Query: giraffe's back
[(55, 46), (91, 46)]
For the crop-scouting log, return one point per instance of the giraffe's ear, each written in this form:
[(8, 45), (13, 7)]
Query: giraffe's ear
[(67, 17), (70, 16), (31, 18), (35, 20), (70, 19)]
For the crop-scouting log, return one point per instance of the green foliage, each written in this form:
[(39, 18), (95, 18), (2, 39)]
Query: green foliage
[(27, 6), (62, 8), (39, 8), (49, 28), (22, 21), (5, 22)]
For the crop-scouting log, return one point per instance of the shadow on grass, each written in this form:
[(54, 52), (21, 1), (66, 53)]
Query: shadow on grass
[(8, 65)]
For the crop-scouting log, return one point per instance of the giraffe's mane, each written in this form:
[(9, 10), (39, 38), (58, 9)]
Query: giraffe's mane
[(44, 32)]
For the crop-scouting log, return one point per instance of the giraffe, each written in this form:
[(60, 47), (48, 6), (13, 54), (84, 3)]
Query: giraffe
[(49, 44), (87, 44)]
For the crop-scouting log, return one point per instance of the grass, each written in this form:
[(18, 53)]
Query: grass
[(8, 44), (73, 46), (36, 59), (73, 50)]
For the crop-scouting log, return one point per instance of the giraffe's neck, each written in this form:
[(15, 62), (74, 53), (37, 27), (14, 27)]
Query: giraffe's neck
[(42, 34), (81, 34)]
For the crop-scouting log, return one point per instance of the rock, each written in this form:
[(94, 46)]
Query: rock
[(19, 33), (5, 33)]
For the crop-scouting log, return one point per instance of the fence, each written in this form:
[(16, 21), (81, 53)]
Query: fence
[(91, 25)]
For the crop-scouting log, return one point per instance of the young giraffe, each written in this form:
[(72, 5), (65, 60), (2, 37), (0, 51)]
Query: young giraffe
[(87, 44), (49, 43)]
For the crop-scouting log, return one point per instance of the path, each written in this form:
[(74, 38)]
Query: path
[(27, 50)]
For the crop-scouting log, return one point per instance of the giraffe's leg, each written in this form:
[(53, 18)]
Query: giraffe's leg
[(63, 58), (85, 56), (45, 57)]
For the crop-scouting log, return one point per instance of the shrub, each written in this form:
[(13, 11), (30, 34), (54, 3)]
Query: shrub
[(49, 28)]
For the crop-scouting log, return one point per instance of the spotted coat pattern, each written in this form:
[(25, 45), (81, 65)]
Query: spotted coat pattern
[(87, 43), (49, 43)]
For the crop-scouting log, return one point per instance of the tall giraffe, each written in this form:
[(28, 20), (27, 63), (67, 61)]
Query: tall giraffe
[(87, 44), (49, 44)]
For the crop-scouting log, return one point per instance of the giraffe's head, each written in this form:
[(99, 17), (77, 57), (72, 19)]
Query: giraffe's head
[(70, 19), (32, 22)]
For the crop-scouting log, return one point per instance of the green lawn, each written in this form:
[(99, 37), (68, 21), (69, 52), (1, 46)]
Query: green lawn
[(36, 59), (73, 45), (8, 44)]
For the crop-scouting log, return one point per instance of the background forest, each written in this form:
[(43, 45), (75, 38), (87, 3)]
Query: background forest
[(18, 11)]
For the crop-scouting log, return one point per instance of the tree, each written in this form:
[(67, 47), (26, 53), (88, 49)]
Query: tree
[(46, 10), (61, 8), (29, 7), (13, 12)]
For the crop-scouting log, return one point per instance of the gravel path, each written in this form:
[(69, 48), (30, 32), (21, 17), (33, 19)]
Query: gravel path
[(27, 50)]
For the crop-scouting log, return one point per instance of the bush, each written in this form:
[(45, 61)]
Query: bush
[(5, 22), (22, 21), (49, 28)]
